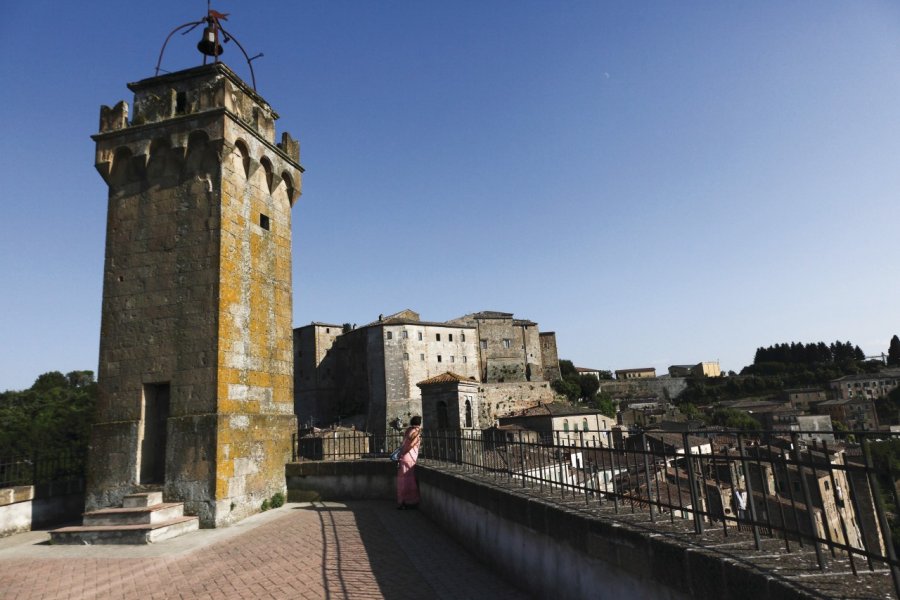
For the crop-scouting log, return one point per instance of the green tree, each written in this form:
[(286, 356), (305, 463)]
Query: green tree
[(893, 357), (570, 389), (734, 419), (603, 402), (589, 386), (54, 415), (566, 368)]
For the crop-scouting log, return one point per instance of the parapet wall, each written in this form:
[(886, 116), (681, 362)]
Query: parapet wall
[(549, 549)]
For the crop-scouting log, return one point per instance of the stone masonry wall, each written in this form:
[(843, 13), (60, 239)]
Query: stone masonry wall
[(501, 399), (197, 293), (409, 360)]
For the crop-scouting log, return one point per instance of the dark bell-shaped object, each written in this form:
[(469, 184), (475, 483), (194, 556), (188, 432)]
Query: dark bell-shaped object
[(209, 45)]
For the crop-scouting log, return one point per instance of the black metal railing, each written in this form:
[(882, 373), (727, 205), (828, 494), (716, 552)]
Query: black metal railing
[(40, 468), (805, 489), (344, 445)]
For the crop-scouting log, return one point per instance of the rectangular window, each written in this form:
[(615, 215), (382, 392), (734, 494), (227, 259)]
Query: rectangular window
[(452, 358), (421, 357), (420, 336), (507, 343), (484, 344), (404, 334), (264, 221), (405, 356), (439, 358), (437, 337), (390, 335), (462, 337), (465, 359), (450, 337)]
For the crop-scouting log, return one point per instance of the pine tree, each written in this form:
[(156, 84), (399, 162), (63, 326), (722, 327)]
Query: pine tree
[(893, 358)]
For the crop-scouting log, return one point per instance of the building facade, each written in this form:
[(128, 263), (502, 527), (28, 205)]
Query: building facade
[(643, 373), (702, 369), (866, 385), (368, 375)]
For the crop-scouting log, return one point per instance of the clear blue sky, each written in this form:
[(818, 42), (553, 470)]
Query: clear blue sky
[(658, 182)]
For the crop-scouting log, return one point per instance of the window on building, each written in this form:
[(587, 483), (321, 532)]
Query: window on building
[(421, 357), (468, 414), (462, 337), (437, 337), (390, 335), (484, 344), (404, 335), (452, 358), (465, 359), (450, 337), (566, 425), (264, 221), (507, 343), (405, 356), (584, 425), (420, 336), (439, 358)]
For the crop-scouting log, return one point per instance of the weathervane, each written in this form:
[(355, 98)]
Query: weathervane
[(209, 44)]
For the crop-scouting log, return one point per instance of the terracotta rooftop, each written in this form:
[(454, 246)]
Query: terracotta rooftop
[(448, 377)]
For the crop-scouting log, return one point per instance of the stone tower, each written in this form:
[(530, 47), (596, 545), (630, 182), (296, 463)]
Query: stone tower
[(195, 374)]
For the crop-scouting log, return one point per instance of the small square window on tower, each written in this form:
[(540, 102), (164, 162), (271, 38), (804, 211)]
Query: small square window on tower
[(264, 221)]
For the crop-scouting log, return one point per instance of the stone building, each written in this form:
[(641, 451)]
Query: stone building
[(451, 401), (870, 386), (195, 373), (858, 414), (641, 373), (565, 425), (368, 375), (701, 369)]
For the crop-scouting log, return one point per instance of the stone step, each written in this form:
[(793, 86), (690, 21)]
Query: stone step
[(149, 515), (124, 534), (142, 500)]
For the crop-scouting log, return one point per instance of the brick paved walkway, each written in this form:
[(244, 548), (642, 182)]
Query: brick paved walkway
[(357, 550)]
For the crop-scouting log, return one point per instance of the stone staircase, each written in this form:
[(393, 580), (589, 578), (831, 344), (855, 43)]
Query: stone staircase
[(143, 519)]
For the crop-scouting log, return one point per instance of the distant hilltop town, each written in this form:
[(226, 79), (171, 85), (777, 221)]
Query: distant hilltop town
[(490, 368)]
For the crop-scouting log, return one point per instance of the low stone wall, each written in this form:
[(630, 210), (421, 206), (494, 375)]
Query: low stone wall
[(28, 507), (309, 481), (546, 548), (15, 509)]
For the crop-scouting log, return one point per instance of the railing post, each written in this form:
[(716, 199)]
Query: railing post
[(650, 505), (692, 485), (882, 519), (748, 483), (804, 486)]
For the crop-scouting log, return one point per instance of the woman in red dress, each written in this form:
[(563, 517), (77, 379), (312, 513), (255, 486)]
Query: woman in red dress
[(407, 489)]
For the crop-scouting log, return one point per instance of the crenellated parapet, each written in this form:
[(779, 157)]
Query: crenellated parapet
[(185, 106)]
